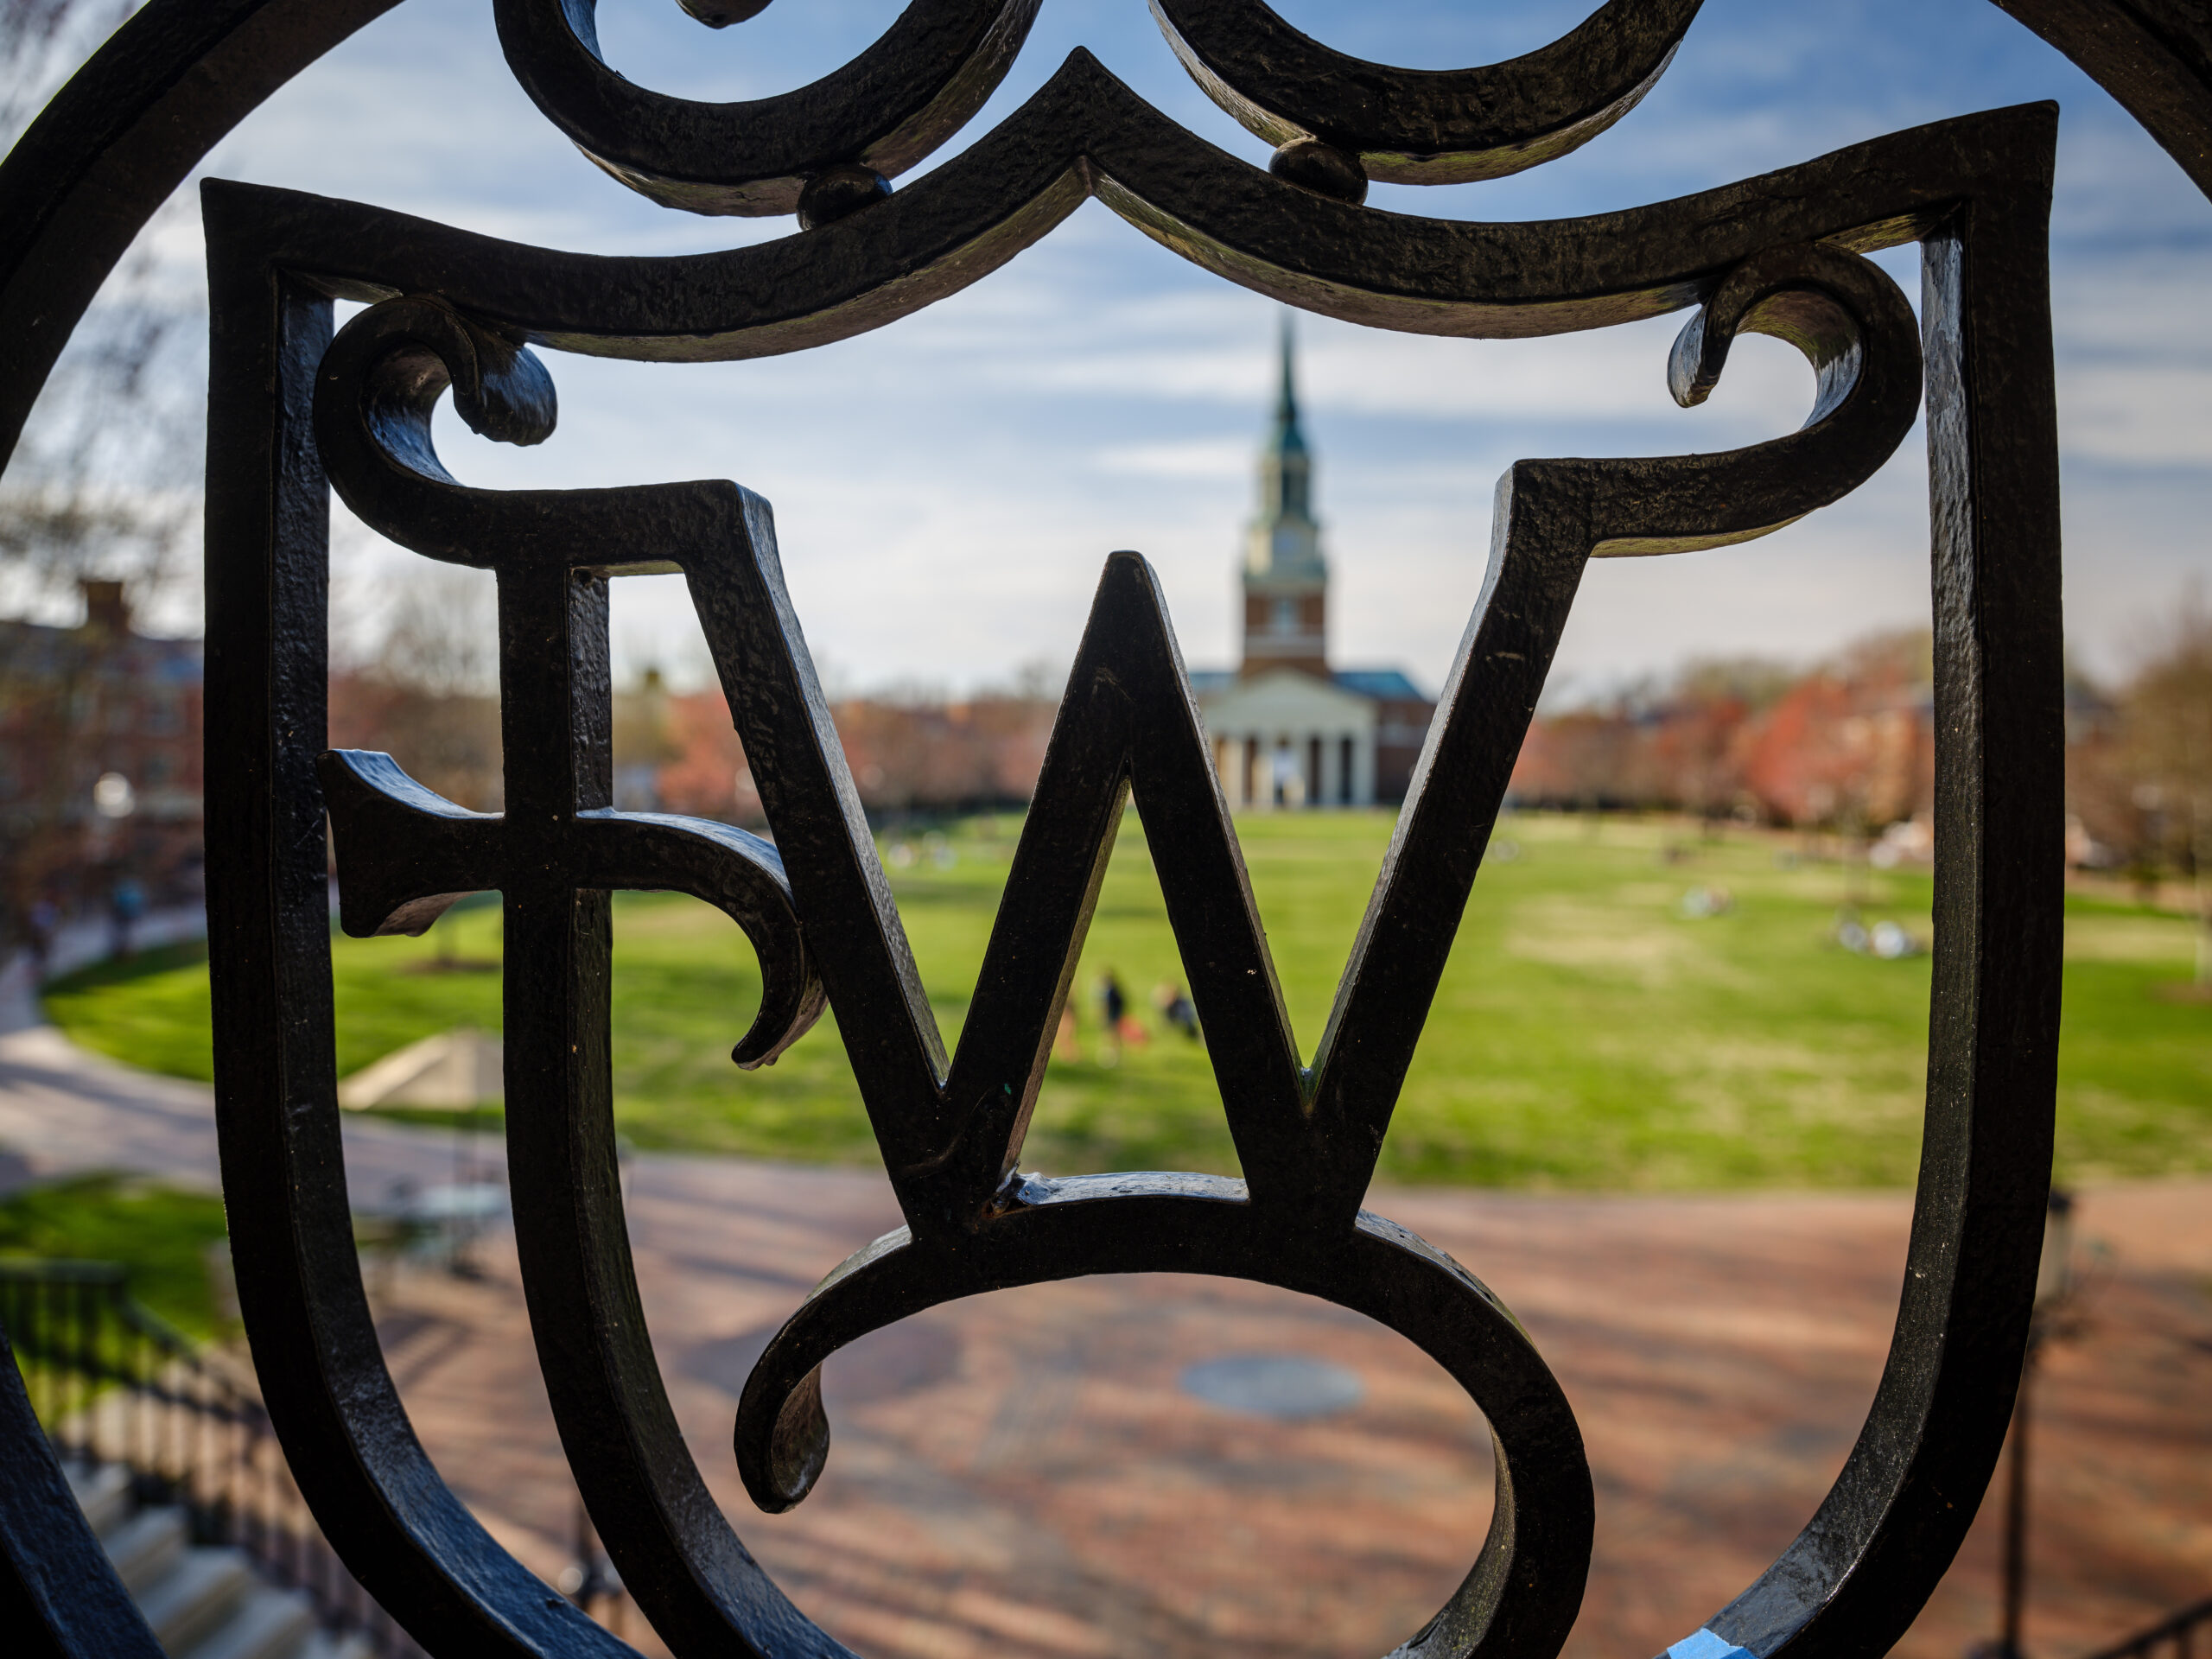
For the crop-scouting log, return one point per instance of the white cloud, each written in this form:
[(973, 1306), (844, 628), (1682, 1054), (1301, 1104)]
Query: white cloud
[(2138, 414), (1211, 458)]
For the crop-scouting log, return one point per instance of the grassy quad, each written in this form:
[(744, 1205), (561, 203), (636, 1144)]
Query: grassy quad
[(164, 1237), (1587, 1033)]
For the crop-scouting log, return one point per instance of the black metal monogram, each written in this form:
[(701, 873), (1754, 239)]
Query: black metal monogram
[(297, 411)]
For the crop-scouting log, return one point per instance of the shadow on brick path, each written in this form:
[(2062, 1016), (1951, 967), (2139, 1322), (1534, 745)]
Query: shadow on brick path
[(1021, 1474)]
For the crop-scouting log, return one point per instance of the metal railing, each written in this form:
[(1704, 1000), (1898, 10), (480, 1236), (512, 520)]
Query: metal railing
[(2183, 1636), (115, 1383)]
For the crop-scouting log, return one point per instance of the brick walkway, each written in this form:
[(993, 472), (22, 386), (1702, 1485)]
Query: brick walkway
[(1021, 1474)]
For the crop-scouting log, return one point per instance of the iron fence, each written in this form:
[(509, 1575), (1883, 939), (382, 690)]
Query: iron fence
[(2179, 1637), (115, 1383)]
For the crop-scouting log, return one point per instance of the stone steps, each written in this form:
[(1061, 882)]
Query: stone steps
[(203, 1602)]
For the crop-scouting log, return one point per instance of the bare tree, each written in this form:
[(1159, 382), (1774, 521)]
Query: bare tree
[(644, 743), (105, 481), (2169, 752), (103, 484), (441, 637), (40, 41), (102, 488), (430, 694)]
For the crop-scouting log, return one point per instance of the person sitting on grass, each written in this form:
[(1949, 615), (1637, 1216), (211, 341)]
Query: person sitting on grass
[(1176, 1012)]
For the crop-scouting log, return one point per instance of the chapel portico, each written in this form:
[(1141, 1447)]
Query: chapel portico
[(1286, 739)]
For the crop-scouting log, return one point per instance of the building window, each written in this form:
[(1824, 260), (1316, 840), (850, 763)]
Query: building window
[(1285, 616), (1313, 795), (1343, 773)]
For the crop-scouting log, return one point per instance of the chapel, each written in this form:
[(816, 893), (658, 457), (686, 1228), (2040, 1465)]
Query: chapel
[(1287, 729)]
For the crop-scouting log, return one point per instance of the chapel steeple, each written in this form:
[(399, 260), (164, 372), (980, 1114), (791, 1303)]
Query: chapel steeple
[(1285, 580)]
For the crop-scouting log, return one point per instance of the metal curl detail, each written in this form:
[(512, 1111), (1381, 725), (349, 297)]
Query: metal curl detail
[(389, 366), (1422, 126), (883, 113), (1858, 332)]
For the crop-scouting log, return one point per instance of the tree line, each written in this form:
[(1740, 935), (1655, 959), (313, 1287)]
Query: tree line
[(1846, 747)]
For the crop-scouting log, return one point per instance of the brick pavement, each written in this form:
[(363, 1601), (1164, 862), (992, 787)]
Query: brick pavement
[(1021, 1474)]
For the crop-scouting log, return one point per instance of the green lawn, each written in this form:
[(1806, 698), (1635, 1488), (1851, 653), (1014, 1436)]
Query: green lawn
[(162, 1235), (1586, 1033)]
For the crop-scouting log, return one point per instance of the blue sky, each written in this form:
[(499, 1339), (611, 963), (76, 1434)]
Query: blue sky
[(945, 488)]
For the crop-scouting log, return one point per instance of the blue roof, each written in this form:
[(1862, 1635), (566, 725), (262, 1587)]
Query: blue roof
[(1383, 684)]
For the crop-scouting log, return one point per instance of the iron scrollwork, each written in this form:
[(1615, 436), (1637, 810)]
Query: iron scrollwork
[(298, 408), (1339, 121), (819, 152)]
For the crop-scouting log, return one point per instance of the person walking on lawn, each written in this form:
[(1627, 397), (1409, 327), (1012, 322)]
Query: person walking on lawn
[(1112, 1005)]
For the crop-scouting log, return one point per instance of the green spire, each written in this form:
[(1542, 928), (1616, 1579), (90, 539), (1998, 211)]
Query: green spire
[(1286, 437), (1283, 539)]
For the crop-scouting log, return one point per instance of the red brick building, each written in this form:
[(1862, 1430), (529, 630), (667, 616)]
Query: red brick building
[(100, 737)]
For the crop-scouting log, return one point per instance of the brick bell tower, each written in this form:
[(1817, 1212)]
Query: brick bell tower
[(1285, 580)]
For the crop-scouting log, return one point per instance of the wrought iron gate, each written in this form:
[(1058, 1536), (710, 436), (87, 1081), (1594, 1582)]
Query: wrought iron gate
[(297, 410)]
